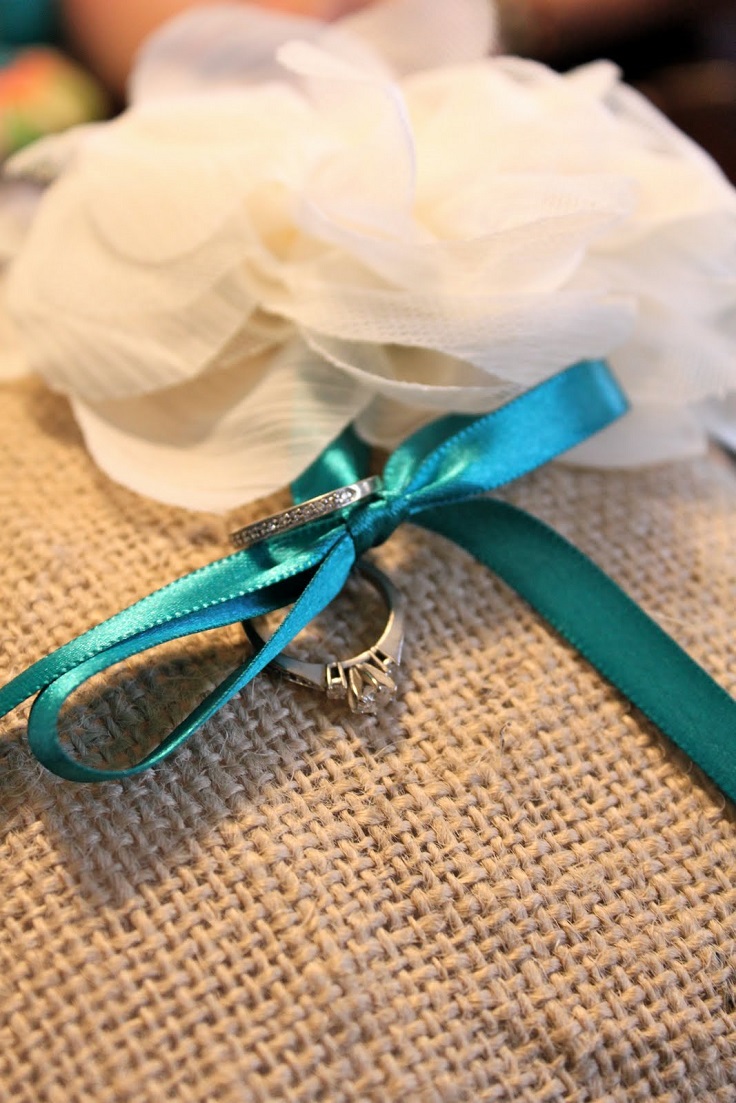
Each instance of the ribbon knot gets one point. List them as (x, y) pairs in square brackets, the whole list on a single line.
[(373, 524), (431, 479)]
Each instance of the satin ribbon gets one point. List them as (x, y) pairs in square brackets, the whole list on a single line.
[(434, 479)]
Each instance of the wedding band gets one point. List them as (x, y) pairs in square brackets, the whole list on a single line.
[(296, 516), (367, 681)]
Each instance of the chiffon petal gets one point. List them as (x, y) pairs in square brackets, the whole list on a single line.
[(719, 418), (214, 47), (227, 438), (234, 44), (648, 434), (13, 358), (413, 35), (18, 205)]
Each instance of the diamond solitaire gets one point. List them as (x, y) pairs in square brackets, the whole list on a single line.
[(366, 681)]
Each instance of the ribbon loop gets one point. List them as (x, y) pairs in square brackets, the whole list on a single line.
[(43, 733)]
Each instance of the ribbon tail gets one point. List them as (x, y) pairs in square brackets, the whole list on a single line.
[(595, 615)]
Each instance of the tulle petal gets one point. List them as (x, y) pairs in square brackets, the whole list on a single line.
[(523, 339), (412, 385)]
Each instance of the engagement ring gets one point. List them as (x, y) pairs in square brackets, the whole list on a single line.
[(366, 681)]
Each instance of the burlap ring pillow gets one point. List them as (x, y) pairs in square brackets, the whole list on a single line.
[(507, 886)]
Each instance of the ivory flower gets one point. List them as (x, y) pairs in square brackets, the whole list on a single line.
[(296, 225), (18, 202)]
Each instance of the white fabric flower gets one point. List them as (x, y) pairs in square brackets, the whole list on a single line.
[(296, 225), (18, 203)]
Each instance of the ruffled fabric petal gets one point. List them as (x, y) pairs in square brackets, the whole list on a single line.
[(13, 359), (719, 419), (521, 341), (213, 47), (132, 277), (232, 44), (226, 46), (366, 179), (414, 35), (235, 435), (648, 434), (18, 205)]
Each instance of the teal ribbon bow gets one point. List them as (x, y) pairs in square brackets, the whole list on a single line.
[(435, 479)]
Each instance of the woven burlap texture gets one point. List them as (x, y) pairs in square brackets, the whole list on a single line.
[(507, 887)]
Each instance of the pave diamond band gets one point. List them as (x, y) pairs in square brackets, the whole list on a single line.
[(366, 681), (301, 514)]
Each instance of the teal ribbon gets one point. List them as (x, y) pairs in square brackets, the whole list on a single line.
[(434, 479)]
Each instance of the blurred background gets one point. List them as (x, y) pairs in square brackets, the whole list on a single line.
[(66, 61), (680, 53)]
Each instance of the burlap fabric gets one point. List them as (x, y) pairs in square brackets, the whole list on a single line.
[(509, 887)]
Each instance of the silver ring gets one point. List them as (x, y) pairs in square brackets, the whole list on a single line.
[(367, 681), (296, 516)]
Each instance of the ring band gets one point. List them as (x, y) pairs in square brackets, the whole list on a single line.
[(367, 680), (296, 516)]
